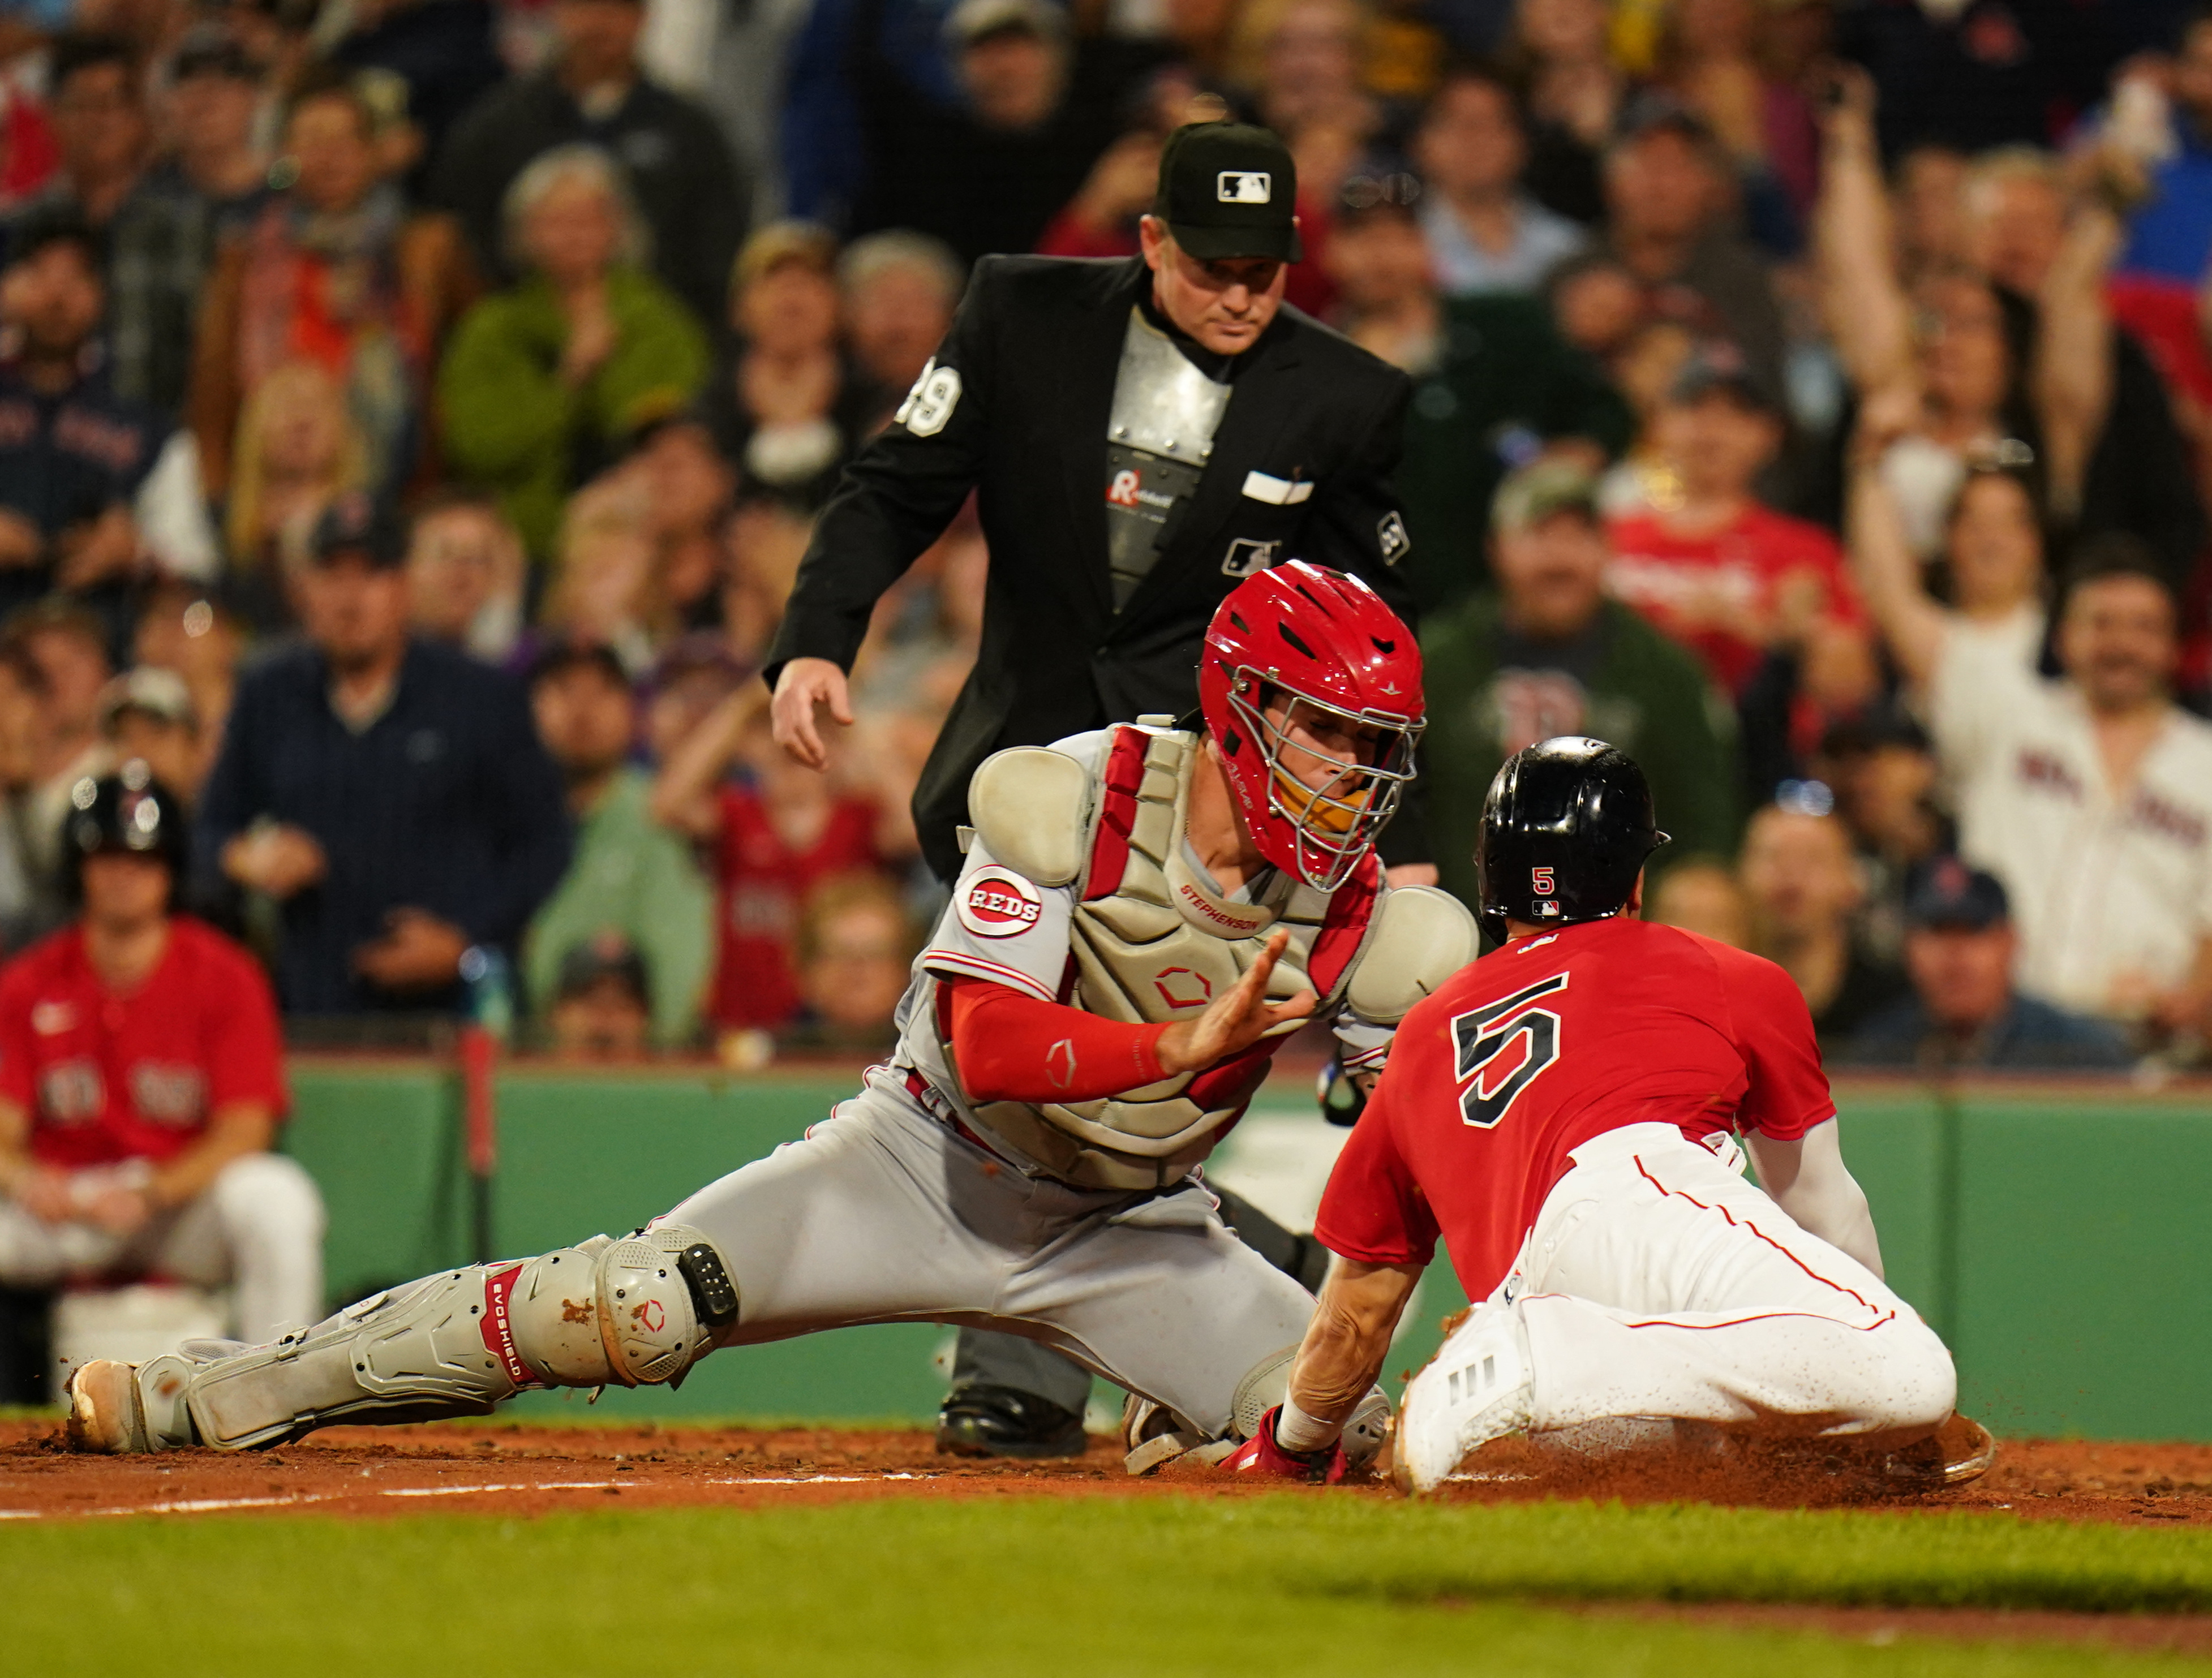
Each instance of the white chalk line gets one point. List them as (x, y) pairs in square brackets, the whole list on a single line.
[(297, 1499)]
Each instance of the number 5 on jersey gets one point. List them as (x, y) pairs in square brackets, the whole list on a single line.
[(1485, 1038)]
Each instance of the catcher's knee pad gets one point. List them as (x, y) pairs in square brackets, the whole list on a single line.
[(1152, 1435), (629, 1312)]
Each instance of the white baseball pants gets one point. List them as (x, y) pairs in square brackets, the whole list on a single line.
[(259, 1227), (1658, 1283)]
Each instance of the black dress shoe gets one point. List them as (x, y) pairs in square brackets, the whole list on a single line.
[(1005, 1421)]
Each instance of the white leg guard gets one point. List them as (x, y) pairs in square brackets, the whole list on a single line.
[(634, 1312)]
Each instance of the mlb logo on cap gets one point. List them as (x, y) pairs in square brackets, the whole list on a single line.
[(1228, 189)]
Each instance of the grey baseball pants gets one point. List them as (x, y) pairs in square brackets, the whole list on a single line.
[(884, 1214)]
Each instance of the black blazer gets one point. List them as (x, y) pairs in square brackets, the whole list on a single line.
[(1032, 356)]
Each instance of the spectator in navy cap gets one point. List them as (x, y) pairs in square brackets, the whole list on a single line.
[(213, 103), (603, 1009), (90, 480), (1668, 185), (1964, 1013), (156, 241), (389, 793)]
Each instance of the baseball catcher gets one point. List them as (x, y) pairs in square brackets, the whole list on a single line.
[(1564, 1114), (1144, 913)]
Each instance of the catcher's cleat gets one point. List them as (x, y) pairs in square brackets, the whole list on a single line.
[(1959, 1451), (984, 1420), (118, 1409), (105, 1416)]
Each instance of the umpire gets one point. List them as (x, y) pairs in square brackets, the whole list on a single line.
[(1142, 433)]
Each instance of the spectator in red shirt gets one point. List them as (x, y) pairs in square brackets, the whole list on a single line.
[(141, 1086), (1724, 575), (774, 841)]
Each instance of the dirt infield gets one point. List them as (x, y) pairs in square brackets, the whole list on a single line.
[(510, 1469)]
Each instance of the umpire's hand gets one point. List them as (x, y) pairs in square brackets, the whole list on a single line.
[(802, 687)]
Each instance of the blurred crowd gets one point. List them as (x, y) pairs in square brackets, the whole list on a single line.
[(413, 413)]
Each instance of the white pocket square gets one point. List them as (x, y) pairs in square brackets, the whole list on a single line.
[(1277, 491)]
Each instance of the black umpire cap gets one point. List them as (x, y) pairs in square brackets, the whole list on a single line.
[(1229, 190)]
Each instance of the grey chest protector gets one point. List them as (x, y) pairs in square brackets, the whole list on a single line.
[(1153, 941)]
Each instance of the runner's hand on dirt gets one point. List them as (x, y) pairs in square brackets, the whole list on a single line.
[(803, 685), (1261, 1458), (1238, 1018)]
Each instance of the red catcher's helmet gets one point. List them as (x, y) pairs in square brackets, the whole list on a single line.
[(1327, 642)]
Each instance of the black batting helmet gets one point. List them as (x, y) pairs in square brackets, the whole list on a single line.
[(128, 811), (1565, 830)]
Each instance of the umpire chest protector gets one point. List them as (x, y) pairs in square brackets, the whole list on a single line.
[(1159, 438), (1153, 941)]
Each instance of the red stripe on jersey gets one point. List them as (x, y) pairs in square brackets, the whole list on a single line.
[(976, 966)]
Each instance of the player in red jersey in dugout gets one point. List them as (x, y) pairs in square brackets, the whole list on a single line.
[(142, 1083)]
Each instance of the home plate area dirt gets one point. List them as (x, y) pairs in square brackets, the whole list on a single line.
[(497, 1468)]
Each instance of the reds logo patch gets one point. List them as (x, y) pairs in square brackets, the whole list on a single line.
[(997, 903)]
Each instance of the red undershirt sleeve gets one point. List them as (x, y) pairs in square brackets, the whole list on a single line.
[(1012, 1047)]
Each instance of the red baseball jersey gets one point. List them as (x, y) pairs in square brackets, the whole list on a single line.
[(1531, 1051), (764, 883), (108, 1076), (1708, 591)]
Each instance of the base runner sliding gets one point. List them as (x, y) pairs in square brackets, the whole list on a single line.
[(1144, 914), (1564, 1114)]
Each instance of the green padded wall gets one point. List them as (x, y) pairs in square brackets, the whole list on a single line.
[(384, 1142), (583, 1153), (2056, 1236), (2084, 1251)]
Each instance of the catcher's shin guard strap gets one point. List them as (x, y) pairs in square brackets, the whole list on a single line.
[(632, 1312)]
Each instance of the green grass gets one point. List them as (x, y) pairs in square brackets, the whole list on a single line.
[(1049, 1588)]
